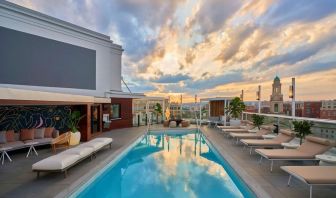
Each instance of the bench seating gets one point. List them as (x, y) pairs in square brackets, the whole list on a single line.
[(68, 158)]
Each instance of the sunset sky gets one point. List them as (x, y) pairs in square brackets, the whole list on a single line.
[(214, 47)]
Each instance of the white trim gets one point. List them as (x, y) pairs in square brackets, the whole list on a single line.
[(295, 118)]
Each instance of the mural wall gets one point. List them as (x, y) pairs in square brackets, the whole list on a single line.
[(19, 117)]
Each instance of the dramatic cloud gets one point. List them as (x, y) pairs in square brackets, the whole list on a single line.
[(214, 47)]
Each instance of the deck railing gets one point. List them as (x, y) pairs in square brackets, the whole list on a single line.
[(322, 127)]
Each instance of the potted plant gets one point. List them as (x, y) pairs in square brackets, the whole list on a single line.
[(158, 110), (73, 121), (302, 129), (258, 120), (235, 109)]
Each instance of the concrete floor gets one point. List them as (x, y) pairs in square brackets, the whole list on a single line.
[(17, 179)]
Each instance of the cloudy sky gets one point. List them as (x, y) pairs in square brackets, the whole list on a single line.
[(214, 47)]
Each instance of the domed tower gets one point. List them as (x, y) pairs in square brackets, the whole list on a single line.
[(276, 101)]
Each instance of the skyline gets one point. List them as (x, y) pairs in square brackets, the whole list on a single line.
[(214, 48)]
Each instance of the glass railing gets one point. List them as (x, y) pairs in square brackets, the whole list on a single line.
[(321, 127)]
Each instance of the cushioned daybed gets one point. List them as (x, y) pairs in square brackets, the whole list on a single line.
[(68, 158)]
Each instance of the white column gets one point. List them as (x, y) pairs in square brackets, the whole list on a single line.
[(293, 97), (200, 113), (259, 96), (225, 112)]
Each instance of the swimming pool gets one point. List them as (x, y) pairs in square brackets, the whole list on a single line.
[(167, 164)]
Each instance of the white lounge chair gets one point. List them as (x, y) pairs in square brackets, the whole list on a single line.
[(306, 152), (68, 158)]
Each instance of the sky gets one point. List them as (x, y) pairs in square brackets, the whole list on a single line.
[(214, 48)]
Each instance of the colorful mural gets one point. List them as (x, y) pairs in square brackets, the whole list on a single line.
[(19, 117)]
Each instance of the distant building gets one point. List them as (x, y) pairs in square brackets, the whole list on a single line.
[(276, 101), (287, 108), (328, 109), (251, 108), (265, 107), (311, 109)]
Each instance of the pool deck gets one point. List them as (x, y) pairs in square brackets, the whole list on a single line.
[(17, 179), (264, 182)]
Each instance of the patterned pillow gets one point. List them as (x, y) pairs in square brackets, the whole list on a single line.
[(48, 132), (10, 136), (27, 134), (3, 139), (39, 133)]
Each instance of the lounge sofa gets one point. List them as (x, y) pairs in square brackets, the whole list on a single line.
[(70, 157), (15, 141)]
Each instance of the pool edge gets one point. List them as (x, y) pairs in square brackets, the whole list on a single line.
[(83, 180), (240, 172)]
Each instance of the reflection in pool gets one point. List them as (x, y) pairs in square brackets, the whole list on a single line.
[(168, 165)]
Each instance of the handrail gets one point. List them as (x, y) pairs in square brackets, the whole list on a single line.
[(294, 118)]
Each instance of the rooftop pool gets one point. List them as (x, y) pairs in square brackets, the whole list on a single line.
[(167, 164)]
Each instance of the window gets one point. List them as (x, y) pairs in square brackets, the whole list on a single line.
[(115, 111)]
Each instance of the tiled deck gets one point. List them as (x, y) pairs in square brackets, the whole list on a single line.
[(17, 179)]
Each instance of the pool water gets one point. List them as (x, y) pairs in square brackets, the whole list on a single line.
[(168, 164)]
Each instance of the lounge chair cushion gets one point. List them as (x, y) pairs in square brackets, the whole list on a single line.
[(318, 140), (287, 132), (313, 148), (284, 154), (246, 135), (56, 162), (83, 151), (94, 145), (261, 142), (313, 174), (39, 133), (105, 140)]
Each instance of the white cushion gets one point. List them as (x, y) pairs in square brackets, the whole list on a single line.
[(105, 140), (56, 162), (83, 152), (95, 145)]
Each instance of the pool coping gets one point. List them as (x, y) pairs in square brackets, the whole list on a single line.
[(248, 180), (100, 166)]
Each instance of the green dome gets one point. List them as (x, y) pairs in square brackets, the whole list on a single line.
[(276, 78)]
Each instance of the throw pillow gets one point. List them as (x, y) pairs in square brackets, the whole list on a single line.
[(48, 132), (27, 134), (10, 136), (39, 133), (3, 139)]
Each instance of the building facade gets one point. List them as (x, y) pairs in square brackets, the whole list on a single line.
[(311, 109), (276, 99), (328, 109), (298, 108), (50, 68)]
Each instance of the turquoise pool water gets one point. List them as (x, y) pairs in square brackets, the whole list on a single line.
[(168, 164)]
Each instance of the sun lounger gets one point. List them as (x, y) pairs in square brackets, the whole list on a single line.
[(312, 175), (258, 135), (242, 126), (306, 152), (284, 136), (68, 158)]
